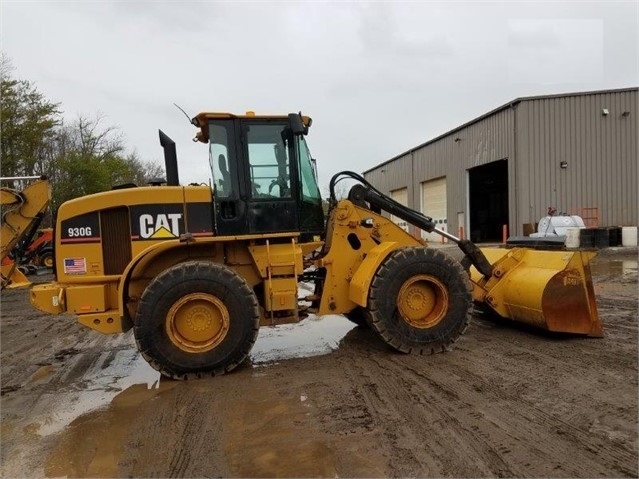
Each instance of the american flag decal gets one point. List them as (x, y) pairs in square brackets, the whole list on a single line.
[(75, 265)]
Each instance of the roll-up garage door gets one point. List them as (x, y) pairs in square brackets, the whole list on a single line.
[(433, 196), (401, 196)]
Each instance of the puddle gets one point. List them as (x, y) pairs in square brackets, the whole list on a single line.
[(613, 268), (313, 336), (113, 372), (270, 434)]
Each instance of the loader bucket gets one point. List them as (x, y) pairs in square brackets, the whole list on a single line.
[(551, 290), (12, 277)]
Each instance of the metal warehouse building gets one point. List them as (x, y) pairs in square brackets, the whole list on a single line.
[(576, 152)]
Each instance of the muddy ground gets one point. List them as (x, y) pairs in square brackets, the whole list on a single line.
[(326, 399)]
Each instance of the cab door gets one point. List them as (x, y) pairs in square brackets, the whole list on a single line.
[(229, 193), (271, 179)]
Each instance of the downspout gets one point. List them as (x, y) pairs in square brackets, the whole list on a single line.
[(514, 173), (416, 231)]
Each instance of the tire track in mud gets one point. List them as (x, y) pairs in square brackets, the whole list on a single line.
[(156, 437), (492, 431), (416, 450), (509, 412), (188, 421)]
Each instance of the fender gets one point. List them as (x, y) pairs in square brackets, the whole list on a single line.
[(358, 290), (144, 259)]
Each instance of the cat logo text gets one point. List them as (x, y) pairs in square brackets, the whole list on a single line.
[(160, 226)]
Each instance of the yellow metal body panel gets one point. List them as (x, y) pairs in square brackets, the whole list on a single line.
[(87, 299), (48, 298), (547, 289), (92, 252), (108, 322), (281, 294), (8, 197), (349, 240), (358, 291), (277, 259)]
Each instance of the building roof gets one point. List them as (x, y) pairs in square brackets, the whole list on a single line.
[(510, 104)]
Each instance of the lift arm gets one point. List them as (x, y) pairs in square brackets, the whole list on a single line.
[(377, 201)]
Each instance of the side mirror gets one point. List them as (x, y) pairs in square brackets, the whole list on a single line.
[(297, 124)]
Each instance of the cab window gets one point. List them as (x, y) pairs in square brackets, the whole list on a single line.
[(269, 160), (221, 160)]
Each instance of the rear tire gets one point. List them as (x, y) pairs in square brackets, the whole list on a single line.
[(420, 300), (196, 319)]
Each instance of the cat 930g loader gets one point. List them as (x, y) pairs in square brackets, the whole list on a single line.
[(196, 270)]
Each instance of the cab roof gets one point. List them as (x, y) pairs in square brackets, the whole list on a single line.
[(201, 120)]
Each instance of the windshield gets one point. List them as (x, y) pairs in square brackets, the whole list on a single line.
[(310, 190)]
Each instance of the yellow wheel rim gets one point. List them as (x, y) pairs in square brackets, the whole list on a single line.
[(197, 322), (48, 262), (422, 301)]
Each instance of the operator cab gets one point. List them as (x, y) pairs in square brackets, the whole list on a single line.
[(263, 175)]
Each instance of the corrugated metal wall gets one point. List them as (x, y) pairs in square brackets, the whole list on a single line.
[(478, 144), (600, 152), (450, 157), (535, 135), (393, 176)]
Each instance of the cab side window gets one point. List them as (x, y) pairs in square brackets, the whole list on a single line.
[(222, 161)]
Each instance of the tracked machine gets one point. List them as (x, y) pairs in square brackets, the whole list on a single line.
[(196, 270)]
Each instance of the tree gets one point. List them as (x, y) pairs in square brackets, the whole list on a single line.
[(80, 158), (28, 123), (87, 158)]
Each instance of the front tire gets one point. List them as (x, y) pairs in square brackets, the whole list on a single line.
[(359, 316), (420, 300), (196, 319)]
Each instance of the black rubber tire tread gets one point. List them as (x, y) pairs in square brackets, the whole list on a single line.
[(185, 278), (359, 316), (396, 269), (466, 263)]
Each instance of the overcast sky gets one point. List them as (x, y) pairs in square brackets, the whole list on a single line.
[(377, 78)]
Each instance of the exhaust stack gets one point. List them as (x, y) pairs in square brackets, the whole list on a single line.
[(170, 159)]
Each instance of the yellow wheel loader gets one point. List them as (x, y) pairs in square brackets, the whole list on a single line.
[(22, 212), (196, 270)]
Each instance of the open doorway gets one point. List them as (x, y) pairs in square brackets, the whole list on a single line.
[(488, 201)]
